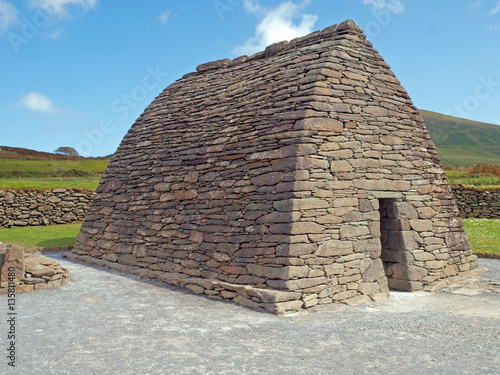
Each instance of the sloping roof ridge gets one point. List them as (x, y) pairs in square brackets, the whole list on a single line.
[(273, 49)]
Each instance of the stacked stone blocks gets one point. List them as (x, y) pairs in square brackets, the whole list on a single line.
[(477, 202), (299, 176), (57, 206)]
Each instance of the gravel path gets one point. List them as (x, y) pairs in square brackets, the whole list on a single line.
[(106, 322)]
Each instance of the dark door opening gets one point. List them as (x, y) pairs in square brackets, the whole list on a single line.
[(392, 237)]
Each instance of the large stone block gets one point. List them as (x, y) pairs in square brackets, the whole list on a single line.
[(298, 284), (269, 295), (423, 256), (352, 231), (368, 288), (454, 238), (319, 124), (13, 266), (295, 249), (341, 166), (382, 184), (300, 204), (334, 269), (374, 270), (297, 228), (421, 225), (407, 272), (280, 308), (284, 273), (334, 248), (267, 179), (426, 212)]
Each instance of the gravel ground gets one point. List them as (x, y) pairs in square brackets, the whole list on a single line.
[(106, 322)]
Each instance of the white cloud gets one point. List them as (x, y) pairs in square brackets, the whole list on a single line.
[(475, 5), (38, 102), (276, 24), (393, 6), (8, 15), (59, 8), (496, 9), (164, 17)]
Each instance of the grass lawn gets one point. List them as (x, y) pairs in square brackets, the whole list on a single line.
[(465, 178), (41, 236), (89, 183), (484, 235), (19, 168), (462, 155), (41, 175)]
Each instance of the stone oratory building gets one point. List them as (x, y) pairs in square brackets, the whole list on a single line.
[(298, 176)]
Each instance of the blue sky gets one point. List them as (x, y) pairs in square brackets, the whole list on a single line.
[(78, 73)]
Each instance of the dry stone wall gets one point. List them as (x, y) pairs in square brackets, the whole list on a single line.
[(299, 176), (58, 206), (477, 203), (21, 208)]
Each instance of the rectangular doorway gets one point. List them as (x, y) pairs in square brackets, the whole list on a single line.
[(392, 237)]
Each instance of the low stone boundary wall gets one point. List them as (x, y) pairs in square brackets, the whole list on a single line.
[(58, 206), (473, 202), (63, 206)]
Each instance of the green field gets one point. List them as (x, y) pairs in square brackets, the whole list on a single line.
[(41, 236), (19, 168), (484, 235), (42, 184), (26, 174), (463, 142), (466, 178), (460, 155)]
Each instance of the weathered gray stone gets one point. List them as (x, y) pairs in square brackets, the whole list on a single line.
[(334, 248), (300, 204), (285, 273), (295, 249), (319, 124), (269, 295), (283, 307), (421, 225), (351, 231), (13, 266), (368, 288), (374, 271), (382, 184)]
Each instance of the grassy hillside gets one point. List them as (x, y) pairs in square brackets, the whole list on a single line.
[(463, 142), (19, 168), (29, 169)]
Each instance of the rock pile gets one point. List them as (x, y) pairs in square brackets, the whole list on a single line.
[(58, 206), (28, 270), (479, 203)]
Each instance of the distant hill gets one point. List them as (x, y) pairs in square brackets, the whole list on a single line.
[(27, 154), (463, 142)]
